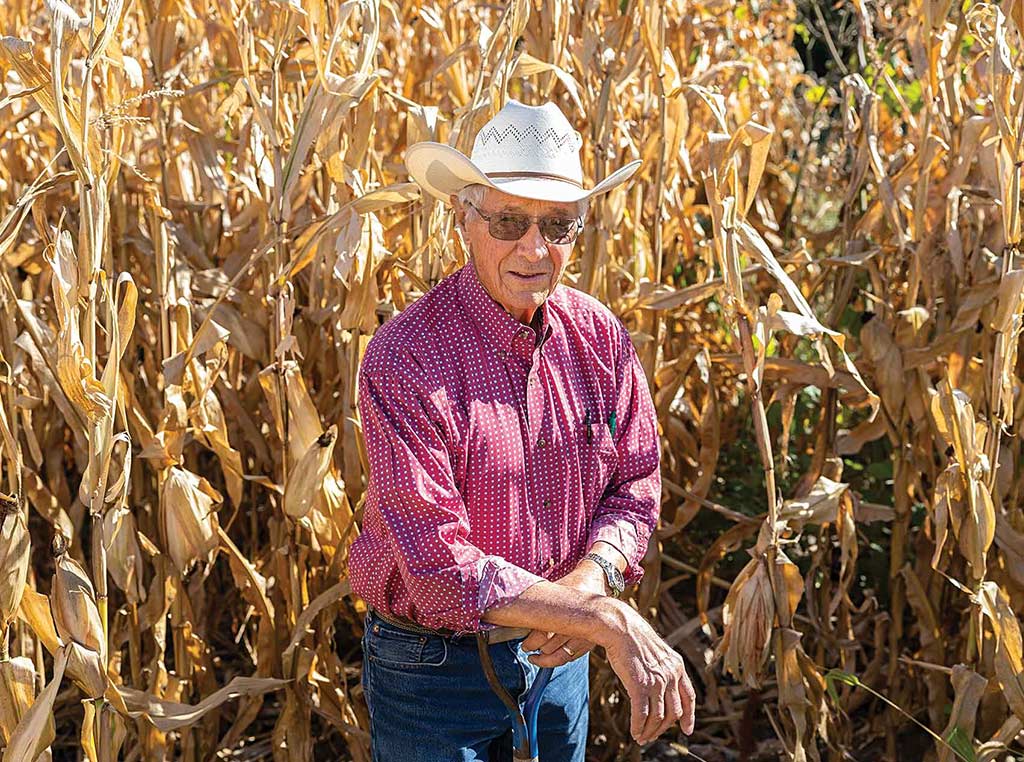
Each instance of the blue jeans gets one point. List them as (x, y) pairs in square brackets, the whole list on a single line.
[(429, 700)]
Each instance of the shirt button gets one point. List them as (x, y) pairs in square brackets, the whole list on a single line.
[(541, 442), (547, 503), (551, 562)]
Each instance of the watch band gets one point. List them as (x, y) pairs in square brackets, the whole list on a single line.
[(611, 573)]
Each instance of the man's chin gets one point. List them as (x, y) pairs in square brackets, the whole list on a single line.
[(529, 296), (534, 298), (525, 303)]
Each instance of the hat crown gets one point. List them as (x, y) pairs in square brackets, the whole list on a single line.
[(531, 140)]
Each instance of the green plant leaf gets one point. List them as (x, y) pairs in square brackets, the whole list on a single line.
[(842, 677), (961, 744), (837, 675)]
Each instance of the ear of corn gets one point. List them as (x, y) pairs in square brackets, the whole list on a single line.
[(14, 560), (190, 519), (750, 602), (73, 602), (307, 480)]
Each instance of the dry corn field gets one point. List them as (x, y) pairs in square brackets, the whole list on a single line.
[(204, 217)]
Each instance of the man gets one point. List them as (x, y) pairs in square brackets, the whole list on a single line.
[(514, 472)]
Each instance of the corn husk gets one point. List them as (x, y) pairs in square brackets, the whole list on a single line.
[(307, 480), (17, 692), (124, 555), (73, 603), (331, 514), (75, 371), (963, 494), (189, 505), (35, 731), (1009, 652), (749, 616), (15, 547), (87, 669)]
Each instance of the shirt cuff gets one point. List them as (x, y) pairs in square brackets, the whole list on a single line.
[(625, 536), (501, 582)]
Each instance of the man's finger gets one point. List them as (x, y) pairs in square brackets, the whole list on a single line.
[(557, 659), (554, 644), (564, 654), (673, 708), (638, 717), (536, 640), (578, 647), (689, 701), (655, 717), (672, 713)]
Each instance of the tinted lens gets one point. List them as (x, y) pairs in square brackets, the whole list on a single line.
[(509, 227), (558, 229)]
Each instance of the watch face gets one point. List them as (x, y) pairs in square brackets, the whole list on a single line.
[(617, 578)]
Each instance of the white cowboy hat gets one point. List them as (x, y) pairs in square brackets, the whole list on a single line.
[(527, 151)]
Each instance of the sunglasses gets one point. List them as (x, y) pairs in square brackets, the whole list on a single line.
[(508, 226)]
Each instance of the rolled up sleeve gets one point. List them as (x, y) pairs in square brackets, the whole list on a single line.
[(412, 488), (628, 511)]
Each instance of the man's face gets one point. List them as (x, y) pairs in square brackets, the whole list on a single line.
[(521, 274)]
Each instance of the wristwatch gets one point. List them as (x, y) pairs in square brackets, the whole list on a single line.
[(611, 572)]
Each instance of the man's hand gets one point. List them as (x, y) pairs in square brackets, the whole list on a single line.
[(557, 650), (651, 671), (654, 676)]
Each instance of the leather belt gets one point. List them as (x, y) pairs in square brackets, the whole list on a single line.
[(496, 635)]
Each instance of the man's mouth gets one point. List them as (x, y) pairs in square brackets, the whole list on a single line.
[(528, 276)]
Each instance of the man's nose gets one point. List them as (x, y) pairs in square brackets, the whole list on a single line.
[(532, 244)]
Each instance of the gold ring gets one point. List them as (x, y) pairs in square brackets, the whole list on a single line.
[(568, 650)]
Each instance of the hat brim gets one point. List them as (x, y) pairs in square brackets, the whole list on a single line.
[(443, 171)]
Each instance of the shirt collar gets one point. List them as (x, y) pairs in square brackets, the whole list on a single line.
[(494, 321)]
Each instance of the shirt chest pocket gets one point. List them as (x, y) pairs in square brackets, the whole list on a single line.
[(598, 459)]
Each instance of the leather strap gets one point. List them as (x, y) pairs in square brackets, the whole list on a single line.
[(496, 635)]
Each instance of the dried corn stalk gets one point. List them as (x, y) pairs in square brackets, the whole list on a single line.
[(244, 164)]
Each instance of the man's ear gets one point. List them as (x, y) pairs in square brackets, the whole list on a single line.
[(460, 212)]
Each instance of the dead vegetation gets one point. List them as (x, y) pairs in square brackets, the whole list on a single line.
[(204, 217)]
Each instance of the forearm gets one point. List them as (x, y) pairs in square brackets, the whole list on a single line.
[(551, 607)]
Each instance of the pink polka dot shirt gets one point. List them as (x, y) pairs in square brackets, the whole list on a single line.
[(498, 454)]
